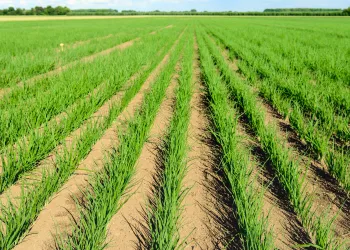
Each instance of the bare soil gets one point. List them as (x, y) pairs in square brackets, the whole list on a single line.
[(197, 226), (57, 214), (283, 221)]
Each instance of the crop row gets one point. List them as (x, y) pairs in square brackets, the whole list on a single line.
[(37, 143), (309, 46), (16, 220), (253, 226), (325, 106), (166, 205), (41, 51), (316, 133), (100, 204), (288, 171)]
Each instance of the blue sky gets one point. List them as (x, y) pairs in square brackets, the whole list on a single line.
[(214, 5)]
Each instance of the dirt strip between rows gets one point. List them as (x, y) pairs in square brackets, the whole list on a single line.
[(77, 44), (284, 223), (86, 59), (55, 214), (196, 223), (56, 71)]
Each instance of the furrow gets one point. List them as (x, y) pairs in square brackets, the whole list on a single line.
[(250, 227), (99, 204), (328, 197), (199, 228), (14, 191)]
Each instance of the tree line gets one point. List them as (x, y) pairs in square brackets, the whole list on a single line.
[(59, 10), (194, 12), (38, 10), (302, 10)]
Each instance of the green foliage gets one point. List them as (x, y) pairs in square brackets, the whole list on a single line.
[(248, 202), (288, 171), (38, 10), (346, 11), (165, 214), (302, 10), (299, 66), (59, 10), (18, 218)]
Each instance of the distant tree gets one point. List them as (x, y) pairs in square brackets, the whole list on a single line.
[(59, 10), (50, 11), (346, 11), (11, 11), (301, 10), (38, 10), (19, 11), (193, 10), (29, 12)]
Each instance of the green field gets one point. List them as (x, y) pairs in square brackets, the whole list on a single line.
[(175, 133)]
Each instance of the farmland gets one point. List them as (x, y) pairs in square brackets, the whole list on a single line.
[(175, 133)]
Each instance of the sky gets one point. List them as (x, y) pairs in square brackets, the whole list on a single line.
[(167, 5)]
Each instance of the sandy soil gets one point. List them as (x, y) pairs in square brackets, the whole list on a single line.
[(197, 226), (329, 197)]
